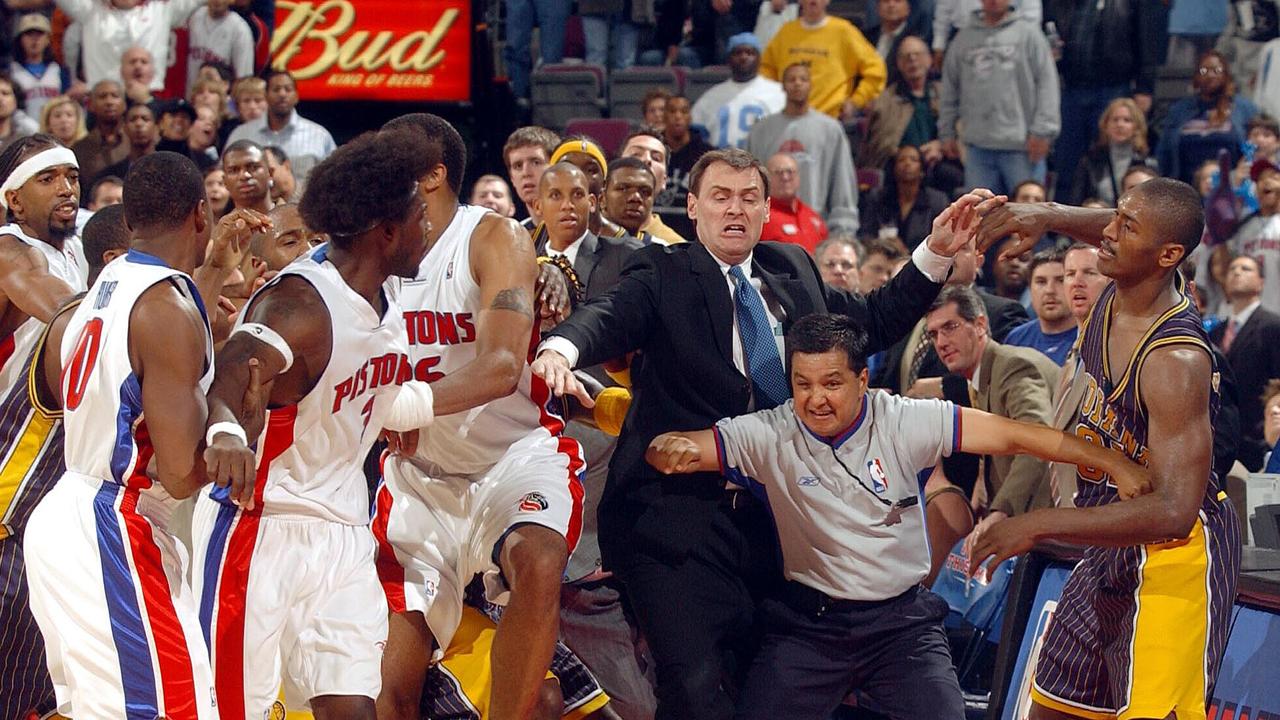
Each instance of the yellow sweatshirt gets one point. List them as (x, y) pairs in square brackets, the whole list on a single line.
[(838, 56)]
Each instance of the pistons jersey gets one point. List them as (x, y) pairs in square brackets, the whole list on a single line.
[(311, 454), (68, 265), (106, 434), (442, 308)]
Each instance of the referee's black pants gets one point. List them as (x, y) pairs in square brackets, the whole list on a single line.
[(697, 612), (815, 651)]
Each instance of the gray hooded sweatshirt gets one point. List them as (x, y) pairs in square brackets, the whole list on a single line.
[(1002, 84)]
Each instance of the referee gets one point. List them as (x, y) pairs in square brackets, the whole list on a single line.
[(837, 467)]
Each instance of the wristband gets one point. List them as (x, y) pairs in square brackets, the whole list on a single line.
[(230, 428), (271, 338)]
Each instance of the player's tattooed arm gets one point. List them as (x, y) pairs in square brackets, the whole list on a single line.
[(504, 266), (515, 299)]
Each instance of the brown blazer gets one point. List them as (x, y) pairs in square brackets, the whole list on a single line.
[(1017, 383)]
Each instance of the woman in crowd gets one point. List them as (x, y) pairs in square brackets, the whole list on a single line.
[(63, 118), (1122, 143), (14, 123), (215, 186), (1212, 119), (904, 207)]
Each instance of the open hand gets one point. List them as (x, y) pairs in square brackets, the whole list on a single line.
[(673, 453), (552, 293), (1003, 540), (1028, 222), (230, 238), (953, 228), (554, 368)]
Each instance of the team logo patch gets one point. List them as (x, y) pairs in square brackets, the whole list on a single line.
[(448, 271), (807, 481), (879, 480), (276, 712), (533, 502)]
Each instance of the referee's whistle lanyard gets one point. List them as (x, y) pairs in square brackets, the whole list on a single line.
[(893, 515)]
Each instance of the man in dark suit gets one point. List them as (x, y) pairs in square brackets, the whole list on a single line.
[(1251, 341), (708, 320), (592, 621)]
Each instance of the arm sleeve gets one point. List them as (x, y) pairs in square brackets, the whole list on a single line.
[(949, 102), (842, 201), (745, 448), (242, 50), (78, 10), (872, 72), (1047, 120), (613, 324), (1026, 399), (942, 23), (930, 429)]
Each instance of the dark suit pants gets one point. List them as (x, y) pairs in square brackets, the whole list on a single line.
[(697, 611), (894, 651)]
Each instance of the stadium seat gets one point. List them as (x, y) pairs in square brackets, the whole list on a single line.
[(563, 92), (699, 81), (628, 87), (608, 133), (868, 179)]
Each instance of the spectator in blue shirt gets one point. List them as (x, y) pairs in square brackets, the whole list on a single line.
[(1053, 330)]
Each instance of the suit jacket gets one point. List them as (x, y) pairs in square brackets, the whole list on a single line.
[(1017, 383), (673, 304), (598, 264), (1003, 315), (1254, 359)]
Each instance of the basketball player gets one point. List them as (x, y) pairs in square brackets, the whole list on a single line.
[(1142, 622), (492, 487), (285, 573), (41, 260), (33, 434), (107, 579)]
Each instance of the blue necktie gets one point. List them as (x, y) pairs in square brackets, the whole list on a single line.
[(1273, 463), (768, 378)]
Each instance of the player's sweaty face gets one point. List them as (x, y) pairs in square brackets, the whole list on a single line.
[(731, 209), (828, 393)]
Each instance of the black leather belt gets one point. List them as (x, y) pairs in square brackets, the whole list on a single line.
[(807, 600)]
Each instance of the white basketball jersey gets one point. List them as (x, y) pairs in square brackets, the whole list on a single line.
[(311, 454), (442, 308), (68, 265), (106, 435)]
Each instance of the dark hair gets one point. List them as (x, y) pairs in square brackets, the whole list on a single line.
[(734, 158), (820, 333), (626, 163), (130, 105), (798, 63), (1176, 210), (277, 153), (370, 180), (968, 304), (104, 180), (19, 96), (242, 145), (271, 72), (530, 136), (18, 151), (891, 249), (1017, 188), (888, 195), (1263, 121), (653, 94), (1262, 269), (450, 149), (1139, 169), (224, 70), (106, 230), (161, 190), (1044, 257), (648, 131)]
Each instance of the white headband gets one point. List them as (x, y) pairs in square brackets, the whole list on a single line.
[(33, 166)]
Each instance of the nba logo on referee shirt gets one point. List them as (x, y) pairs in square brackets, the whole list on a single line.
[(879, 481)]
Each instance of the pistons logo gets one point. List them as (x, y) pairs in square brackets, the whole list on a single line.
[(533, 502)]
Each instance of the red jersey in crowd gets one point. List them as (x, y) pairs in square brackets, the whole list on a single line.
[(794, 222)]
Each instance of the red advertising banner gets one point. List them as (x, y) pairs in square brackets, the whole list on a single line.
[(400, 50)]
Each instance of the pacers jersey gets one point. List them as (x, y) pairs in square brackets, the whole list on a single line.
[(106, 435), (442, 308), (311, 454), (68, 265), (31, 443), (1112, 412)]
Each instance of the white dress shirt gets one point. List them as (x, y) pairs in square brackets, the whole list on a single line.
[(570, 252)]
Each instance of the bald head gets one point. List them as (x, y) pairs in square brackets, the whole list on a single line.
[(137, 65), (784, 176), (561, 170)]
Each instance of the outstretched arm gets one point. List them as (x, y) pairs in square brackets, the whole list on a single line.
[(1175, 384), (684, 452), (504, 265), (26, 281), (1030, 221), (987, 434)]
